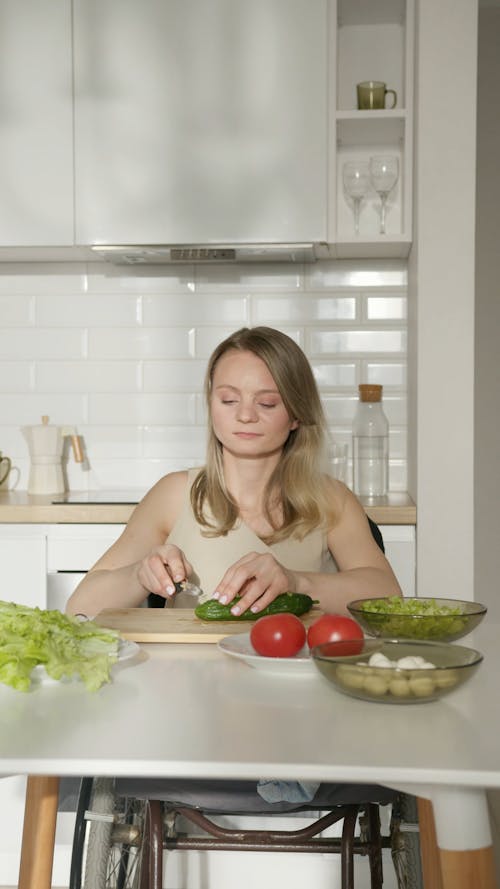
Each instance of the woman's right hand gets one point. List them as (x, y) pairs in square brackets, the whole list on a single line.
[(162, 568)]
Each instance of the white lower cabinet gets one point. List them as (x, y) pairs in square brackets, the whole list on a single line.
[(23, 564), (71, 551), (400, 549)]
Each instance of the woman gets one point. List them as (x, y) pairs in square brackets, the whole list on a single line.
[(261, 518)]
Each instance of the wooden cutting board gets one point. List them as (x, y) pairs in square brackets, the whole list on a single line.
[(175, 624)]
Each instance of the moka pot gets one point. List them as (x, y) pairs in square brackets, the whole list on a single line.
[(45, 443)]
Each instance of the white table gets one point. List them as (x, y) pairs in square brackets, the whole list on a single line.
[(191, 711)]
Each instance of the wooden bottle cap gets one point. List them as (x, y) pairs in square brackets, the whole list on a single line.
[(370, 392)]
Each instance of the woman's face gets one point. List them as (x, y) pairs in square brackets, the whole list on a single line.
[(248, 414)]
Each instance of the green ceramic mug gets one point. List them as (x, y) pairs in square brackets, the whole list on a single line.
[(372, 95), (5, 465)]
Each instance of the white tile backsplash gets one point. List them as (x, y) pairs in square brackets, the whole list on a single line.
[(90, 310), (249, 277), (88, 376), (334, 375), (303, 309), (141, 342), (338, 342), (121, 353), (105, 278), (385, 308), (174, 376), (16, 376), (114, 441), (145, 409), (383, 273), (18, 312), (175, 310), (43, 277), (179, 442), (389, 374), (28, 343)]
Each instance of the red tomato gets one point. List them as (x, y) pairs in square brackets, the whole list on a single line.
[(278, 635), (336, 628)]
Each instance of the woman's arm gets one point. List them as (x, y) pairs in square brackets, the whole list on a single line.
[(363, 568), (140, 561), (364, 571)]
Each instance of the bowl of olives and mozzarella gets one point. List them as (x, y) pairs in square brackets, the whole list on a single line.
[(397, 671)]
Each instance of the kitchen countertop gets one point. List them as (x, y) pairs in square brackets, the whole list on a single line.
[(21, 507)]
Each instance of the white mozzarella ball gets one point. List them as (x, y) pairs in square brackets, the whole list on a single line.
[(377, 659)]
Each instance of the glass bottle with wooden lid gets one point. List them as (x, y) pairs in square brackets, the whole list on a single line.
[(370, 438)]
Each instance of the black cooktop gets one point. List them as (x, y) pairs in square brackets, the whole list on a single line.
[(118, 495)]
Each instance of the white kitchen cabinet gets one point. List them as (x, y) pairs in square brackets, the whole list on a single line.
[(78, 547), (38, 562), (200, 121), (375, 41), (36, 148), (221, 121), (23, 564), (400, 549), (71, 551), (231, 122)]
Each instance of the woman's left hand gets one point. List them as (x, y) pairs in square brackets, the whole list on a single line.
[(258, 578)]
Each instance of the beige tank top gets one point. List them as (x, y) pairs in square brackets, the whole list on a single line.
[(212, 556)]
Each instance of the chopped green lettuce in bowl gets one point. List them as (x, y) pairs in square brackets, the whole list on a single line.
[(396, 617), (65, 646)]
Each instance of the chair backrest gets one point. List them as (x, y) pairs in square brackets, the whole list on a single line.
[(374, 528)]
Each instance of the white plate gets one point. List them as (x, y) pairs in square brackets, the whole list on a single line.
[(126, 650), (239, 647)]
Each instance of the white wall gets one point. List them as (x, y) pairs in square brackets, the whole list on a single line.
[(441, 297), (487, 382), (120, 353)]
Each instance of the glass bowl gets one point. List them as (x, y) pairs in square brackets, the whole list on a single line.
[(362, 675), (416, 618)]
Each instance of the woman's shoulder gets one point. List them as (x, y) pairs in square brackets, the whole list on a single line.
[(337, 491), (345, 505), (164, 499), (171, 483)]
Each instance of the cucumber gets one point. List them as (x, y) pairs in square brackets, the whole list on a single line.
[(285, 603)]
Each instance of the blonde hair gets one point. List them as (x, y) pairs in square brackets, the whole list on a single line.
[(305, 499)]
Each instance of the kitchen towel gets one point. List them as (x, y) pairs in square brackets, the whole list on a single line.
[(287, 791)]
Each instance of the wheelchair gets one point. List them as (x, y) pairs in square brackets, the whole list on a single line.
[(124, 826)]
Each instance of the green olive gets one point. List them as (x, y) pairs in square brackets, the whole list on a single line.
[(421, 686), (399, 687)]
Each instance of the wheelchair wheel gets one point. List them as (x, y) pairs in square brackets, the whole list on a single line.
[(405, 843), (114, 831)]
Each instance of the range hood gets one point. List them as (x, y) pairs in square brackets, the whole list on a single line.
[(173, 253)]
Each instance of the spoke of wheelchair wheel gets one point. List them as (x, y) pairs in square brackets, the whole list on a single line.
[(122, 867), (124, 858)]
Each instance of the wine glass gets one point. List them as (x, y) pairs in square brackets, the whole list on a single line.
[(356, 179), (384, 173)]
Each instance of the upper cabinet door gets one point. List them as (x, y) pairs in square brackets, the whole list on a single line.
[(36, 123), (200, 121)]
